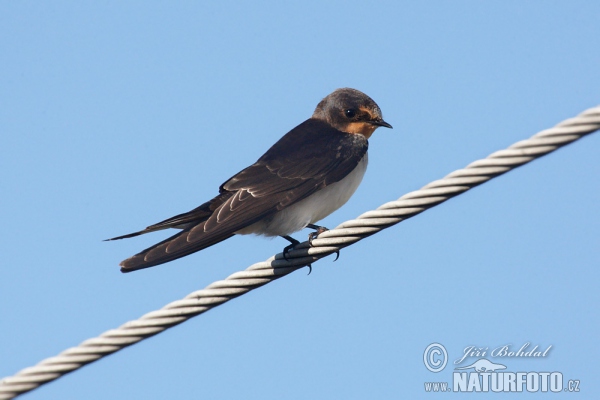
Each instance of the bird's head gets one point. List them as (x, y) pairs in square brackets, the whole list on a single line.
[(350, 111)]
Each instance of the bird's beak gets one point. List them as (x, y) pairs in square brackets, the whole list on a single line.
[(380, 122)]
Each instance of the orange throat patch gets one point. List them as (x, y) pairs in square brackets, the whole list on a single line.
[(360, 128)]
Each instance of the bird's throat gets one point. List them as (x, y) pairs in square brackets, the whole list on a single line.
[(360, 128)]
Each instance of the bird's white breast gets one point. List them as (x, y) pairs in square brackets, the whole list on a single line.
[(312, 209)]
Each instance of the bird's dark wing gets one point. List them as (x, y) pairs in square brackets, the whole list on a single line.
[(308, 158)]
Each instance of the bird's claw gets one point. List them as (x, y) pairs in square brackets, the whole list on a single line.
[(313, 235), (287, 249)]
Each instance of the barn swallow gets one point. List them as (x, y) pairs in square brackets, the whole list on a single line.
[(308, 174)]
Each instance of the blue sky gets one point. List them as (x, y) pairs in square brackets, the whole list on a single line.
[(114, 116)]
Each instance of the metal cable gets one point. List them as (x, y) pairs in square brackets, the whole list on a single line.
[(327, 243)]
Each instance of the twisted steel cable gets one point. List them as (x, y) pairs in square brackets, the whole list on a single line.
[(327, 243)]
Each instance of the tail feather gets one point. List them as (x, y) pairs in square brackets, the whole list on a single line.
[(134, 234), (191, 239), (182, 221), (170, 249)]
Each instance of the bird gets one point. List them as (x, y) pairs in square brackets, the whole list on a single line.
[(308, 174)]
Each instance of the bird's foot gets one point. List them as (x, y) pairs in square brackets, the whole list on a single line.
[(289, 247), (286, 249), (313, 235)]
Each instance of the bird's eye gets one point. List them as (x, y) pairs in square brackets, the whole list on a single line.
[(350, 113)]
